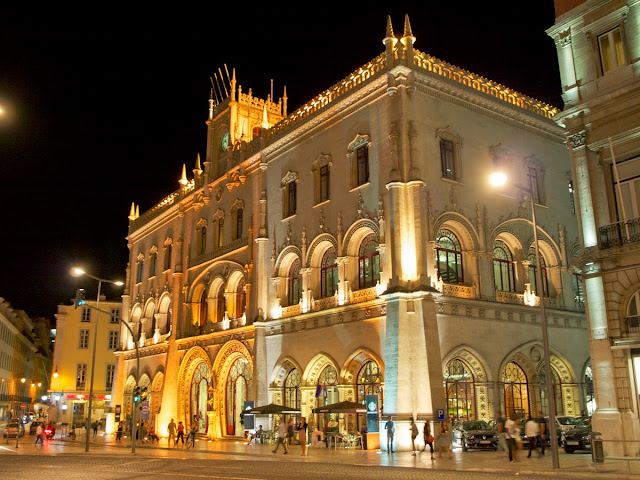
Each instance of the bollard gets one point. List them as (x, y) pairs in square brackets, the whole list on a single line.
[(597, 450)]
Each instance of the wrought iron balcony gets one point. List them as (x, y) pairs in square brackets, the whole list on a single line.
[(632, 324), (618, 234)]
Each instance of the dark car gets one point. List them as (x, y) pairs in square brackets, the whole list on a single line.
[(34, 426), (13, 428), (579, 438), (475, 434)]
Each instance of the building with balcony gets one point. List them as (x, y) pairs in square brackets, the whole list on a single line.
[(598, 45), (72, 357), (354, 247)]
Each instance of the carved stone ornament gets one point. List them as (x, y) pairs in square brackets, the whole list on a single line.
[(577, 140), (288, 178)]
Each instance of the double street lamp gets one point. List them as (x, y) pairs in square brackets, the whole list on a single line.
[(499, 179), (80, 272)]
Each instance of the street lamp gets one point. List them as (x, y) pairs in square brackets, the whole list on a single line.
[(499, 179), (78, 272)]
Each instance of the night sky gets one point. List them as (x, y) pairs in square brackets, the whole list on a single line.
[(104, 107)]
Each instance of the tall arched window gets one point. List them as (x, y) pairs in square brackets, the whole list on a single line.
[(294, 290), (632, 319), (460, 390), (292, 396), (533, 276), (241, 298), (449, 255), (328, 273), (557, 391), (503, 269), (328, 387), (222, 304), (204, 308), (238, 385), (516, 391), (199, 396), (368, 262), (368, 382)]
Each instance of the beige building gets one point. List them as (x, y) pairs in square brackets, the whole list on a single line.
[(72, 356), (598, 46), (354, 247)]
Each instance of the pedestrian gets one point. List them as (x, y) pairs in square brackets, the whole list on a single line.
[(363, 435), (428, 439), (444, 439), (290, 434), (172, 433), (302, 435), (180, 433), (39, 434), (502, 438), (532, 432), (390, 431), (544, 432), (152, 435), (119, 432), (511, 431), (282, 433), (95, 429), (414, 435)]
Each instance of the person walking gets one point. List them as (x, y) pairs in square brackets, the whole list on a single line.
[(171, 428), (532, 432), (302, 435), (414, 435), (290, 433), (444, 439), (544, 432), (39, 434), (511, 432), (95, 429), (180, 433), (502, 438), (428, 439), (390, 431), (119, 432), (282, 433)]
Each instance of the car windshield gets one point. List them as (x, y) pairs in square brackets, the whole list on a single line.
[(569, 420), (586, 423), (476, 425)]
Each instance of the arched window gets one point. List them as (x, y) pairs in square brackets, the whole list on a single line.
[(292, 396), (238, 386), (222, 304), (368, 262), (328, 273), (460, 390), (503, 269), (204, 308), (449, 255), (328, 387), (368, 383), (589, 395), (557, 391), (199, 396), (533, 276), (202, 242), (294, 291), (241, 298), (516, 391), (632, 319)]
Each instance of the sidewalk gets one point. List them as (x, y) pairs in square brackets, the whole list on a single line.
[(575, 465)]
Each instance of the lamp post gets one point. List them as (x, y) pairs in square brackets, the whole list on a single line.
[(78, 272), (497, 180)]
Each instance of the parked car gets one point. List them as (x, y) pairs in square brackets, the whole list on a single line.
[(34, 426), (14, 428), (579, 438), (475, 434)]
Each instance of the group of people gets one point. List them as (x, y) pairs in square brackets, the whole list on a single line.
[(442, 441), (286, 433), (510, 438), (40, 432)]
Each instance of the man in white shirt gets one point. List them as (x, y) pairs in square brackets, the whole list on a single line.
[(532, 432), (511, 432)]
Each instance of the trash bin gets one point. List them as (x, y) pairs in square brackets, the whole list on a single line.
[(597, 450)]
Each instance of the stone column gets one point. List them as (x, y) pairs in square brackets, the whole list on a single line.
[(259, 383)]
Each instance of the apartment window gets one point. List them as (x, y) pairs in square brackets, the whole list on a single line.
[(167, 256), (81, 376), (324, 183), (153, 260), (292, 197), (140, 272), (220, 232), (202, 240), (115, 315), (289, 185), (239, 220), (447, 160), (84, 338), (321, 171), (611, 50), (294, 291), (329, 273), (111, 370), (114, 336), (86, 314), (359, 156)]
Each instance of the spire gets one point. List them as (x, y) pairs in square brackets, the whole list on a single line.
[(233, 85), (389, 33), (137, 211), (198, 170), (265, 119), (285, 98), (183, 180), (408, 35), (389, 41), (132, 213)]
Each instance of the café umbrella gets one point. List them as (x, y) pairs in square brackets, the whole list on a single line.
[(341, 407), (272, 409)]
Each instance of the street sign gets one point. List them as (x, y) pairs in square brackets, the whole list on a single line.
[(440, 414), (23, 406), (144, 407)]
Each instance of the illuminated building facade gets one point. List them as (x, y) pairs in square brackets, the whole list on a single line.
[(354, 247), (598, 45)]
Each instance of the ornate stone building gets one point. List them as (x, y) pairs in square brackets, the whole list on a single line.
[(598, 46), (355, 247)]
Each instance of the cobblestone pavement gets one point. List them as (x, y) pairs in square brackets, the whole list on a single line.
[(233, 458)]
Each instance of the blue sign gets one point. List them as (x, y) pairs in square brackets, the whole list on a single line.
[(440, 414), (144, 408)]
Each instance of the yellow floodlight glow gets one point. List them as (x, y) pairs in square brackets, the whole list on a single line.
[(498, 179), (77, 271)]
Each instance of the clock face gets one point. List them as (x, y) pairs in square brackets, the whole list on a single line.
[(372, 406), (225, 141)]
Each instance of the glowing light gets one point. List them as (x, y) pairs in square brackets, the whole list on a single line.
[(39, 384), (529, 296), (76, 271), (44, 398), (498, 179), (22, 380)]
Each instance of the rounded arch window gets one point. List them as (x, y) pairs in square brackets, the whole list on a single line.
[(221, 306), (327, 394), (204, 308), (449, 257), (503, 267), (516, 391), (328, 273), (368, 262), (292, 397), (241, 298), (557, 391), (294, 283), (199, 396), (238, 385), (632, 319), (460, 390), (533, 276)]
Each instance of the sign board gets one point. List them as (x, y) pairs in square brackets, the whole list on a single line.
[(373, 414), (249, 418), (144, 409), (118, 412), (23, 406), (440, 414), (599, 333)]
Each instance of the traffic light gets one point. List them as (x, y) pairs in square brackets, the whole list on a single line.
[(144, 394), (136, 394), (79, 298)]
